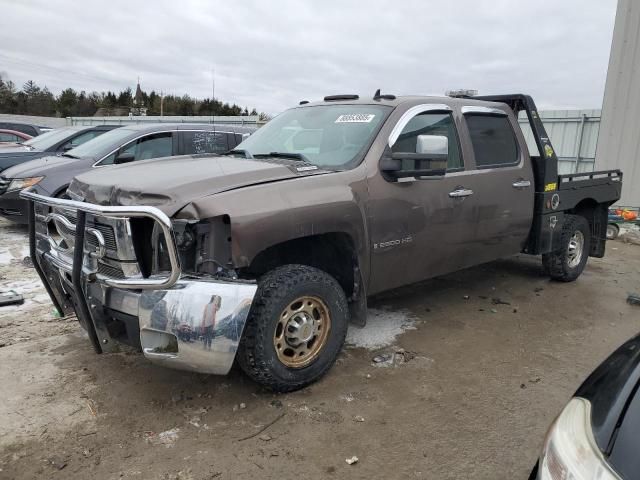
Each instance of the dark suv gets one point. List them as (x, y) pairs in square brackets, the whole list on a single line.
[(32, 130), (54, 142), (52, 174)]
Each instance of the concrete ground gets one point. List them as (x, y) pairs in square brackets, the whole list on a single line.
[(480, 363)]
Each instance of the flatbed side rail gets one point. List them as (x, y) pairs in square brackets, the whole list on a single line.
[(122, 212), (585, 179)]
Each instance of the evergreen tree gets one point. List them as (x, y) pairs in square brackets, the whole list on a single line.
[(34, 100)]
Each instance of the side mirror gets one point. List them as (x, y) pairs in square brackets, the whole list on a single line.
[(124, 158), (430, 159), (432, 145), (68, 147)]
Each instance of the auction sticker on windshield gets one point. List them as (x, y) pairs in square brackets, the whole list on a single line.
[(356, 118)]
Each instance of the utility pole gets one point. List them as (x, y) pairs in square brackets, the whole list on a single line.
[(161, 103), (213, 95)]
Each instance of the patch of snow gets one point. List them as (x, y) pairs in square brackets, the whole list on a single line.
[(167, 438), (11, 241), (5, 257), (383, 326)]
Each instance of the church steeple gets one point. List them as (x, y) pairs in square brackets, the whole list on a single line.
[(137, 99), (139, 107)]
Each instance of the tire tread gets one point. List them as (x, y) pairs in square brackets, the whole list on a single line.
[(273, 288)]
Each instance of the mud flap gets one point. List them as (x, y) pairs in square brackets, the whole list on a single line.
[(358, 303)]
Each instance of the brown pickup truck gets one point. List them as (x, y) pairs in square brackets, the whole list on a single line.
[(263, 255)]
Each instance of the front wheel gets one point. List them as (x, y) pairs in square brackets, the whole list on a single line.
[(612, 231), (568, 261), (296, 328)]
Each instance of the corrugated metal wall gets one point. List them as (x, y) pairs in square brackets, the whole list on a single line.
[(619, 144), (573, 134)]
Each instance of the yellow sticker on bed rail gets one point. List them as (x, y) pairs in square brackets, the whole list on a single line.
[(550, 187), (548, 151)]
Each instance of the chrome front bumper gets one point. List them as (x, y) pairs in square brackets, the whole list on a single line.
[(85, 257)]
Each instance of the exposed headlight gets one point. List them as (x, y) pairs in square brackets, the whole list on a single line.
[(570, 451), (22, 183)]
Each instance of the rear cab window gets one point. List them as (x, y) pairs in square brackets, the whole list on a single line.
[(493, 139)]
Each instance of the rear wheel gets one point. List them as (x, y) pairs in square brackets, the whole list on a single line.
[(296, 328), (567, 263), (612, 231)]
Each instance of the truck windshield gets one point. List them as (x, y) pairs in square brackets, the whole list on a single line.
[(331, 136)]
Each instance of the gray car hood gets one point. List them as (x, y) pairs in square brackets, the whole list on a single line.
[(8, 160), (172, 183), (38, 167)]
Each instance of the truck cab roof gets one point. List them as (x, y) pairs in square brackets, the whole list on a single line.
[(408, 100)]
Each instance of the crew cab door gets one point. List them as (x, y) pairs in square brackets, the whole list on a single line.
[(420, 228), (503, 181)]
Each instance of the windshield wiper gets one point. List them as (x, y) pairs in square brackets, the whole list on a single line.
[(293, 156), (246, 153), (68, 155)]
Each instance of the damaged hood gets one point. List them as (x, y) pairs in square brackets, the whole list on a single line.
[(172, 183)]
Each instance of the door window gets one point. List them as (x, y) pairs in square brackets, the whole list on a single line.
[(9, 137), (80, 139), (144, 148), (430, 123), (494, 143), (205, 142)]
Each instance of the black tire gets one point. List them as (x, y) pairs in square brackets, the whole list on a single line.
[(612, 231), (257, 354), (562, 265)]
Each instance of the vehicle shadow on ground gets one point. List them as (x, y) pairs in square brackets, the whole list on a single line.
[(487, 277)]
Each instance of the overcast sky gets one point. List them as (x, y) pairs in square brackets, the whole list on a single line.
[(272, 54)]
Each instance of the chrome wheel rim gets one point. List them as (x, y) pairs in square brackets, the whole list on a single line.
[(575, 249), (302, 331)]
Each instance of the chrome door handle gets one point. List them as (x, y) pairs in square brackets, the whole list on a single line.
[(522, 184), (460, 192)]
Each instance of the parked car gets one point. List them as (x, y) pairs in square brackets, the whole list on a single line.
[(29, 129), (596, 434), (619, 217), (52, 174), (12, 137), (283, 240), (54, 142)]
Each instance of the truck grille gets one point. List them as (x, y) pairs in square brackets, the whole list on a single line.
[(115, 263), (110, 271), (108, 234)]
